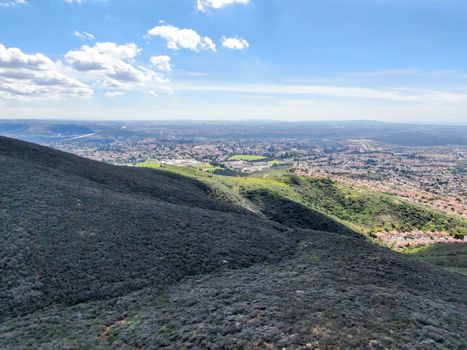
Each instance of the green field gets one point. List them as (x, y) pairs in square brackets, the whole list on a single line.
[(246, 157), (151, 165)]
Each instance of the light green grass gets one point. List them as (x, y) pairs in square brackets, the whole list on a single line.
[(414, 250), (149, 164), (246, 157), (206, 167)]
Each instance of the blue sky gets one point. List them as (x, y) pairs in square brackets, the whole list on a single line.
[(395, 60)]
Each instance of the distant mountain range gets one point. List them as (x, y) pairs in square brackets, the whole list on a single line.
[(94, 256)]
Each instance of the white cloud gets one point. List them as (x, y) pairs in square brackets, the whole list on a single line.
[(15, 58), (113, 67), (112, 94), (162, 63), (152, 93), (110, 61), (409, 96), (13, 3), (75, 1), (204, 5), (36, 77), (235, 43), (178, 38), (84, 35)]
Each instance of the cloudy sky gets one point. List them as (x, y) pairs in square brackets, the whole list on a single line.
[(395, 60)]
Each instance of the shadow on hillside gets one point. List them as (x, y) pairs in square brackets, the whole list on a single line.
[(295, 215)]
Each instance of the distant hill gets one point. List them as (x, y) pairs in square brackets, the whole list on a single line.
[(414, 135), (94, 256), (70, 129), (42, 131)]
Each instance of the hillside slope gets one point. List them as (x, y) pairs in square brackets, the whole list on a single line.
[(94, 256), (335, 292), (317, 203), (453, 257), (72, 229)]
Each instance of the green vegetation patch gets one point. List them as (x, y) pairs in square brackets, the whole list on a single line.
[(149, 164), (361, 210), (247, 157), (372, 212), (206, 167)]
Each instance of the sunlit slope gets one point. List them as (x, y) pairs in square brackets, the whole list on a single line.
[(292, 200)]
